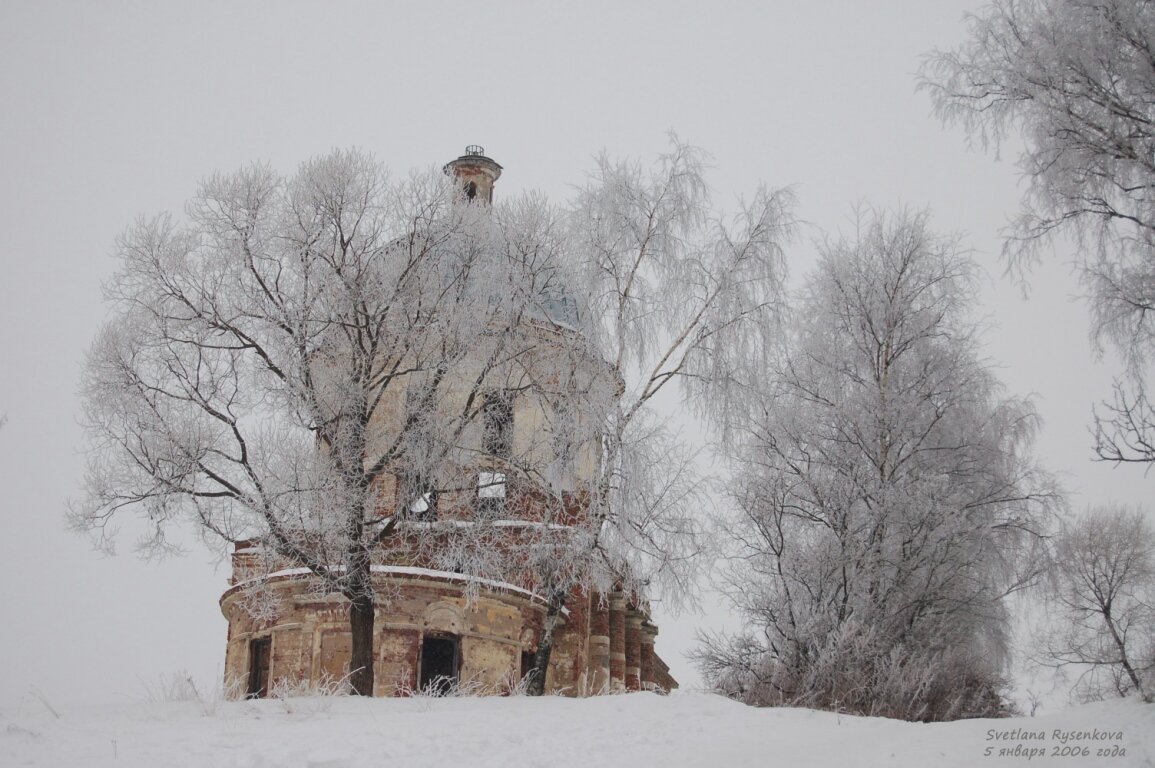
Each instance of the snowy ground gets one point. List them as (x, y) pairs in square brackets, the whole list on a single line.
[(685, 729)]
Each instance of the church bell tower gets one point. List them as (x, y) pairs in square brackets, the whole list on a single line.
[(476, 174)]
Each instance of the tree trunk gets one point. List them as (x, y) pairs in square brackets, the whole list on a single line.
[(536, 684), (1122, 647), (362, 610), (361, 618)]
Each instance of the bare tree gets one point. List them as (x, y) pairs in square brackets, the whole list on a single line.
[(886, 501), (1104, 593), (252, 373), (1078, 79), (672, 294), (1124, 427)]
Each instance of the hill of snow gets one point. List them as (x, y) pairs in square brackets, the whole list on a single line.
[(685, 729)]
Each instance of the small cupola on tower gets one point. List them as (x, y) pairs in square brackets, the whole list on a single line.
[(476, 174)]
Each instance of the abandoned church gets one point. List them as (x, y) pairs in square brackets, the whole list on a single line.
[(436, 626)]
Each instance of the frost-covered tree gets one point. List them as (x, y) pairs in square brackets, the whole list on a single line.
[(1076, 80), (886, 500), (251, 374), (313, 362), (674, 295), (1103, 594)]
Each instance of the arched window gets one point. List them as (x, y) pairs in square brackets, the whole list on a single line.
[(471, 190), (497, 424)]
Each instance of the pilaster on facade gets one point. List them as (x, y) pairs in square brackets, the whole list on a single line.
[(648, 635), (570, 662), (633, 650), (599, 644), (617, 641)]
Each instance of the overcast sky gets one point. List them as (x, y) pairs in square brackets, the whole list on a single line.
[(112, 110)]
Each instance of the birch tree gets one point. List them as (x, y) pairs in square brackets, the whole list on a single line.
[(1075, 81), (674, 296), (886, 502)]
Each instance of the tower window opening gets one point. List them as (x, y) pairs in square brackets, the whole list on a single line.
[(565, 434), (497, 424), (560, 308), (424, 507), (491, 485), (471, 190), (490, 501), (416, 496)]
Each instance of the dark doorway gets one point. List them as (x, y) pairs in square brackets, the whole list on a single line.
[(260, 655), (440, 659)]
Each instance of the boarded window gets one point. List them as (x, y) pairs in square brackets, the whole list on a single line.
[(490, 502), (260, 662), (491, 485), (336, 650)]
